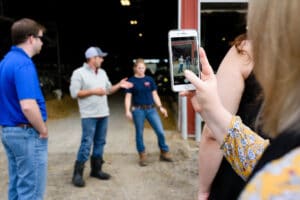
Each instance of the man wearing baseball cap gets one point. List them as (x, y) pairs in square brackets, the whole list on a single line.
[(90, 85), (94, 51)]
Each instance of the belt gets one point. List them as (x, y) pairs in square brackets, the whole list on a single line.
[(24, 125), (144, 107)]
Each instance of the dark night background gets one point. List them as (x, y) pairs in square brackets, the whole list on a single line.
[(80, 24), (73, 26)]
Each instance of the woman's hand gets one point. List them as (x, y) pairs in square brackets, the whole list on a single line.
[(128, 115), (206, 95), (163, 111), (206, 99)]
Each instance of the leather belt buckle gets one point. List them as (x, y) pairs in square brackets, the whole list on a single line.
[(25, 125), (144, 107)]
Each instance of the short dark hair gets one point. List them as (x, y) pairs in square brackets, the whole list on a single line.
[(23, 28)]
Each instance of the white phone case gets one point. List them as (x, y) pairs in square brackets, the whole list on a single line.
[(183, 54)]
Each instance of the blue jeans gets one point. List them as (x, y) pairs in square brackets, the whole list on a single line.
[(139, 116), (27, 156), (180, 69), (93, 133)]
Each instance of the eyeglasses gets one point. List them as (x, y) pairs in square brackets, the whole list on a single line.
[(41, 37)]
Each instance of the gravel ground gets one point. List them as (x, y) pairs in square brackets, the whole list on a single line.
[(157, 181)]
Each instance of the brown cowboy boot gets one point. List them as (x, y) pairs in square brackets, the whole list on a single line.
[(165, 156), (143, 159)]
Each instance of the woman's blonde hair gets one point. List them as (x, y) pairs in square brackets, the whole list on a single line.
[(137, 61), (274, 30)]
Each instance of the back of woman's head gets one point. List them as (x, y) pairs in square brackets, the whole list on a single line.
[(274, 29)]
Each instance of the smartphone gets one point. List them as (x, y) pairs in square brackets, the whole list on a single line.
[(183, 54)]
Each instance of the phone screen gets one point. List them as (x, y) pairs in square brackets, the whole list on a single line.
[(184, 56)]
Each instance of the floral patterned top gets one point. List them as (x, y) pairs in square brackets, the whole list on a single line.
[(279, 179)]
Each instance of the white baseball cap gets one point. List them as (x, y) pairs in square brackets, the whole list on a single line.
[(94, 51)]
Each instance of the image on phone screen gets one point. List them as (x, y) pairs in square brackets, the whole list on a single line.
[(184, 56)]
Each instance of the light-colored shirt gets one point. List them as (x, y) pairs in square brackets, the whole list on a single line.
[(85, 78), (278, 179)]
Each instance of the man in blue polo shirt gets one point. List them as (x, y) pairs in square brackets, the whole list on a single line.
[(23, 113)]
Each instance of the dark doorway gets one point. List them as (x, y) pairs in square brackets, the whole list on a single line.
[(220, 24)]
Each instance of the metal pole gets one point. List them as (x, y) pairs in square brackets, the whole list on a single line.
[(1, 8), (179, 15), (58, 58), (198, 127), (184, 131), (183, 102)]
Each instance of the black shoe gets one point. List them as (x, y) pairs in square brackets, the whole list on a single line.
[(100, 175), (96, 169), (77, 179)]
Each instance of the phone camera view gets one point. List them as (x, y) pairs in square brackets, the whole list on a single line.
[(185, 56)]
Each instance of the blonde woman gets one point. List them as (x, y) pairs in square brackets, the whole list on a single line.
[(270, 169), (141, 102), (240, 94)]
